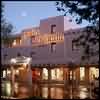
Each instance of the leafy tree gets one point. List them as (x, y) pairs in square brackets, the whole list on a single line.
[(84, 10), (6, 29)]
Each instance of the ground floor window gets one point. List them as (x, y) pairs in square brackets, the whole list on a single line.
[(93, 73), (4, 74), (57, 74), (82, 73), (45, 74)]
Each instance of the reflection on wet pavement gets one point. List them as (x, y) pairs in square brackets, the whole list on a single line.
[(48, 91)]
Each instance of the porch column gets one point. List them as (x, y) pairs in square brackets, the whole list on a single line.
[(49, 74), (41, 72)]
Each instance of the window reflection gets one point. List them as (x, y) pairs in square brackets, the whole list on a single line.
[(45, 92)]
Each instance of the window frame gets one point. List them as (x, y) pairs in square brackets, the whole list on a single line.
[(51, 47), (52, 28)]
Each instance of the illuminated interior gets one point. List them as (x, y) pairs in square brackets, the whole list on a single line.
[(70, 75), (93, 73), (57, 74), (4, 73), (45, 74), (8, 88), (38, 39), (82, 73), (14, 43)]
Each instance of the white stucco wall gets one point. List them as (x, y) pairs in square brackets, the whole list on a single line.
[(42, 54), (68, 24), (45, 25)]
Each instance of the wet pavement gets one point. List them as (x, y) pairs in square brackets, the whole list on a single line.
[(51, 91)]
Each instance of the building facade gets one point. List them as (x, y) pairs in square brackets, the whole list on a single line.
[(55, 57)]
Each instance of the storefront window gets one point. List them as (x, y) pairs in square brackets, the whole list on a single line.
[(82, 73), (93, 73), (57, 74), (4, 74), (53, 74), (45, 73), (97, 72)]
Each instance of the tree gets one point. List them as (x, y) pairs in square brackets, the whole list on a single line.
[(6, 29), (84, 10)]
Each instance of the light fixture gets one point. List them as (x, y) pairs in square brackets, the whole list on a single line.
[(13, 60)]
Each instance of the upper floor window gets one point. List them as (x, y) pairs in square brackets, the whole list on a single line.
[(53, 28), (53, 47), (32, 54), (5, 56)]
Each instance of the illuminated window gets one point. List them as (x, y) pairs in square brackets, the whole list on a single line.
[(53, 29), (70, 75), (8, 88), (53, 47), (14, 43), (4, 73), (17, 71), (53, 74), (97, 72), (8, 71), (93, 73), (82, 73), (45, 73), (57, 74)]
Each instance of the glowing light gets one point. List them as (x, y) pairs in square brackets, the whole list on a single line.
[(82, 73), (4, 74), (17, 71), (8, 88), (13, 60), (8, 71), (28, 59), (45, 73), (14, 43), (83, 95)]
